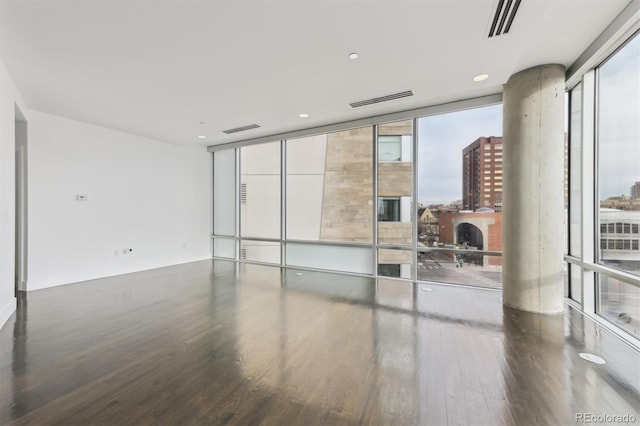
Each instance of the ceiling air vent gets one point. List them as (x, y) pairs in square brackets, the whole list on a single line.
[(241, 129), (382, 99), (502, 20)]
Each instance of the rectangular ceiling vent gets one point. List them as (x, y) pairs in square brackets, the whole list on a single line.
[(241, 129), (382, 99), (502, 20)]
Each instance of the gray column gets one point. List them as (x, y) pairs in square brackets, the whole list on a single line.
[(533, 190)]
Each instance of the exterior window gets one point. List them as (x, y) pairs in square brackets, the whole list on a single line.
[(634, 229), (603, 244), (618, 150), (612, 228), (389, 209), (389, 148), (634, 244), (603, 228)]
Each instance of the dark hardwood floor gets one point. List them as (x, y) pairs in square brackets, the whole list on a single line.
[(214, 342)]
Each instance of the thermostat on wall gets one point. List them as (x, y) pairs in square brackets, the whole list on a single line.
[(81, 197)]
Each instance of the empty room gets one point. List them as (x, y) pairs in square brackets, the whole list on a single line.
[(349, 212)]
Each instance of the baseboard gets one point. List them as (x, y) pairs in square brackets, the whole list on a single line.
[(33, 285), (7, 311)]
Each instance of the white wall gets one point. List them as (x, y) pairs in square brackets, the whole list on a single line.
[(9, 97), (142, 194)]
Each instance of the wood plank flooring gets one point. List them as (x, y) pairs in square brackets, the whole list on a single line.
[(217, 343)]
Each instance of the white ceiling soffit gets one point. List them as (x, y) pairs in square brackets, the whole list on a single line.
[(174, 70)]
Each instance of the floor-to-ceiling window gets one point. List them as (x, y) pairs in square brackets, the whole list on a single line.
[(225, 203), (394, 144), (459, 166), (260, 202), (359, 200), (618, 189), (329, 201), (604, 200)]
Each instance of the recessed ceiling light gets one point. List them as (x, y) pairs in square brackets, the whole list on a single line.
[(202, 137), (303, 115), (353, 55), (480, 77)]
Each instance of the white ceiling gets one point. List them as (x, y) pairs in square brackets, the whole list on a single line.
[(157, 68)]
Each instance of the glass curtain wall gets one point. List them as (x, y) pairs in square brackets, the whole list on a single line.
[(329, 200), (575, 199), (459, 214), (604, 219), (260, 202), (618, 177), (348, 201), (224, 203), (395, 216)]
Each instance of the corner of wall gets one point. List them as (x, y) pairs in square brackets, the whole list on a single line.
[(7, 311)]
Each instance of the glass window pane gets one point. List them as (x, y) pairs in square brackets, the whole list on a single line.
[(620, 303), (389, 209), (260, 251), (223, 247), (566, 279), (575, 277), (619, 151), (575, 170), (460, 193), (395, 184), (390, 148), (224, 192), (395, 263), (260, 190), (335, 258), (330, 187)]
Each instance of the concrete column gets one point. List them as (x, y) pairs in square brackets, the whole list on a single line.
[(533, 190)]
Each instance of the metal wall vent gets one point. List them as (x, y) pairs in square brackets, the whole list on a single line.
[(502, 20), (243, 253), (243, 193), (241, 129), (382, 99)]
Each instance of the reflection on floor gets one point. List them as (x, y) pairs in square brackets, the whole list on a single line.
[(216, 342), (467, 269)]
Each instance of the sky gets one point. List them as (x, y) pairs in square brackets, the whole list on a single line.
[(441, 139), (619, 125)]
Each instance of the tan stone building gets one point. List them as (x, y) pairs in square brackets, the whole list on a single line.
[(347, 200)]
